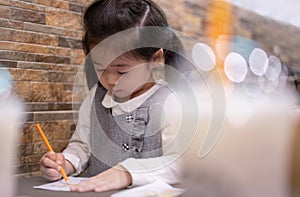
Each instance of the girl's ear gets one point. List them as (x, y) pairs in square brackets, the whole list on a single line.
[(158, 65), (158, 56)]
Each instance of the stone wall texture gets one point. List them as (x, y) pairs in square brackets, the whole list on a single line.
[(40, 44)]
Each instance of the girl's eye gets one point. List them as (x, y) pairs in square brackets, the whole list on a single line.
[(122, 73), (100, 70)]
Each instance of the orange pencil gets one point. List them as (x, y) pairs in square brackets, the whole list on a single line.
[(62, 171)]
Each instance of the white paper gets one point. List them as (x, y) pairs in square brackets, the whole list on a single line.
[(157, 189), (60, 185)]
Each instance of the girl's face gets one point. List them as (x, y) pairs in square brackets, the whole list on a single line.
[(125, 78)]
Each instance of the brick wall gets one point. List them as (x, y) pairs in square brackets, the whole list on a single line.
[(40, 45)]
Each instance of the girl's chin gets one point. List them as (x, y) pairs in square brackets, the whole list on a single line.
[(120, 97)]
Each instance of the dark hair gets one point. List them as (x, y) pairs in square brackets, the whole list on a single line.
[(104, 18)]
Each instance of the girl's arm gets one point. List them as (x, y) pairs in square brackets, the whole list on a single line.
[(75, 157), (168, 166), (78, 149)]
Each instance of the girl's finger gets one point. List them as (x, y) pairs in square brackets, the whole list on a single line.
[(51, 155), (50, 174), (60, 159), (48, 163), (84, 186)]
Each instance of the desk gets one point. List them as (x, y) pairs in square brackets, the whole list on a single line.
[(25, 189)]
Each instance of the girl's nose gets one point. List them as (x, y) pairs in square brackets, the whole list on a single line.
[(112, 79)]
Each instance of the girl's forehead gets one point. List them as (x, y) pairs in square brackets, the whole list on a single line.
[(127, 58)]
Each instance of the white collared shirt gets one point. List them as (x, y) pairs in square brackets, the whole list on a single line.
[(143, 171), (132, 104)]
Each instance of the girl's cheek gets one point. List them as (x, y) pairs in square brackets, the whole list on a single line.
[(102, 81)]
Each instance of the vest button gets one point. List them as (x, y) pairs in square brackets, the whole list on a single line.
[(129, 118), (125, 147)]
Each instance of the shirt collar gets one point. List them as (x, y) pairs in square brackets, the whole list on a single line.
[(132, 104)]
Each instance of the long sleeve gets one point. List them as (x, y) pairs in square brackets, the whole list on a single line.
[(78, 150), (167, 167)]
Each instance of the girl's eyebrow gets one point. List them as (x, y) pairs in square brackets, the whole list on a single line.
[(119, 65), (115, 65)]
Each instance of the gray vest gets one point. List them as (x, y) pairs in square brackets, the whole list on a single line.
[(133, 135)]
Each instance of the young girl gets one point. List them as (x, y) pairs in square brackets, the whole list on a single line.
[(129, 119)]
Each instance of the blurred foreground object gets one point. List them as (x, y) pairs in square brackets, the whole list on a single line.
[(295, 165), (252, 157), (10, 118)]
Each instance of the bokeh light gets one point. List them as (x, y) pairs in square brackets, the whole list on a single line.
[(274, 68), (267, 86), (235, 67), (258, 62), (203, 57), (282, 79)]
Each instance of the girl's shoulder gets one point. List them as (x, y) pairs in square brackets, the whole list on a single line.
[(163, 95), (90, 97), (161, 92)]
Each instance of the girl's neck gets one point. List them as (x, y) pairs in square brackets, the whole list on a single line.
[(142, 89)]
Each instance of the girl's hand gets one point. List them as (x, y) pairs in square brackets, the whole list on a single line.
[(51, 163), (116, 177)]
